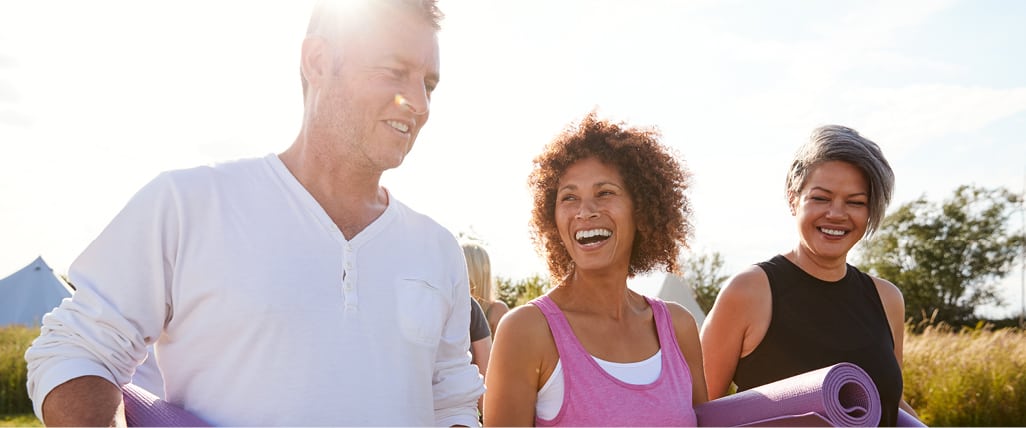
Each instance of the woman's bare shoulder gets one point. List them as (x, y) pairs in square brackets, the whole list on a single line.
[(523, 322), (748, 284), (498, 308)]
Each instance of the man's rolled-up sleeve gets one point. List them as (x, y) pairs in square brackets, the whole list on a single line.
[(119, 305), (457, 383)]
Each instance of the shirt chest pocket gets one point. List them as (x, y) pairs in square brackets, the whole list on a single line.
[(422, 311)]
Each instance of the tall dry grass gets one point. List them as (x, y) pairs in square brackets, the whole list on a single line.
[(20, 420), (970, 377)]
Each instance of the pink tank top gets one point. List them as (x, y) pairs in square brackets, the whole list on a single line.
[(593, 397)]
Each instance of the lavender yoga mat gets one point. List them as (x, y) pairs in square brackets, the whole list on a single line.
[(143, 409), (907, 420), (841, 395)]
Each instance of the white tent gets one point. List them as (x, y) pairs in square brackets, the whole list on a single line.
[(28, 294), (670, 288)]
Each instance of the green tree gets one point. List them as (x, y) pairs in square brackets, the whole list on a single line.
[(522, 291), (947, 259), (704, 274)]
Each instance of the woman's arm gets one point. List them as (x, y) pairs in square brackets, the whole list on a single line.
[(894, 307), (480, 352), (734, 327), (516, 367), (686, 329), (496, 310)]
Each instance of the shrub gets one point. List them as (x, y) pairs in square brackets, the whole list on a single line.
[(14, 340), (520, 292)]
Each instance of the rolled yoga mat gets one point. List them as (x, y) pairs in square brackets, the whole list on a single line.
[(838, 395), (144, 409), (906, 419)]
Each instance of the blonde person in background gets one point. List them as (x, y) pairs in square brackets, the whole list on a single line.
[(480, 338), (482, 321), (482, 286), (480, 343)]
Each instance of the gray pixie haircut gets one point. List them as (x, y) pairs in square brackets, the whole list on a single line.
[(839, 143), (330, 19)]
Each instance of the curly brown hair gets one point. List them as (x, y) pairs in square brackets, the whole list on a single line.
[(654, 174)]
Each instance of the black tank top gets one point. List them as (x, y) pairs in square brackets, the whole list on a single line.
[(819, 323)]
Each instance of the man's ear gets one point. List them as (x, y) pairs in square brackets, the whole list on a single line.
[(316, 62), (792, 200)]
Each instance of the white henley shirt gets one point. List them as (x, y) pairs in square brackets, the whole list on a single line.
[(261, 313)]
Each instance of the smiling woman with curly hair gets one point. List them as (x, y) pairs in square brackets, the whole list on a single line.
[(609, 204), (652, 172)]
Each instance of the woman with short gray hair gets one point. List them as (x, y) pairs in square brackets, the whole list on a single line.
[(808, 308)]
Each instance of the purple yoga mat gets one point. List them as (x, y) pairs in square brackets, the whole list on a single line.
[(811, 419), (840, 395), (143, 409), (907, 420)]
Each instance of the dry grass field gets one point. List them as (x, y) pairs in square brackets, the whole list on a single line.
[(972, 377)]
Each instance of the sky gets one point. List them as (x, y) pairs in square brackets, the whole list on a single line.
[(98, 97)]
